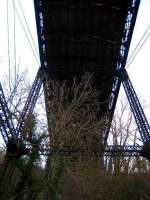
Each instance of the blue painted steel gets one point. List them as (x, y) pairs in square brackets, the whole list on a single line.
[(124, 47), (122, 57), (7, 129), (6, 124), (40, 30), (139, 115), (30, 103), (109, 150)]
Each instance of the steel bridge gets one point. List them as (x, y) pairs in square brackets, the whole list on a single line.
[(76, 36), (93, 35)]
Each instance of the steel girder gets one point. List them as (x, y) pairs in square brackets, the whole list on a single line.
[(40, 30), (122, 58)]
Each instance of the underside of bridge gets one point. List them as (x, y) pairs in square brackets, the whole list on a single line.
[(86, 35)]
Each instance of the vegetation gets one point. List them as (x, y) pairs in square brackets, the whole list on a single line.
[(73, 116)]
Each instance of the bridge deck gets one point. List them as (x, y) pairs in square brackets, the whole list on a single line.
[(81, 35)]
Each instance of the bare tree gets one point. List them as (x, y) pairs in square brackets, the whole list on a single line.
[(73, 117), (17, 173), (124, 132)]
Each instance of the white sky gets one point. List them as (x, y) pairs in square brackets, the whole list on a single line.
[(139, 70), (25, 57)]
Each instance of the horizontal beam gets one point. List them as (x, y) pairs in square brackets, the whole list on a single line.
[(110, 150)]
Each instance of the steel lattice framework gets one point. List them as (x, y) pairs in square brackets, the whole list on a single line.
[(6, 124), (31, 101), (140, 118)]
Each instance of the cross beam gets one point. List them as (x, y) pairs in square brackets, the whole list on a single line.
[(109, 150)]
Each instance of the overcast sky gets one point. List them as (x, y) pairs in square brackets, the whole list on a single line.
[(24, 53), (139, 70)]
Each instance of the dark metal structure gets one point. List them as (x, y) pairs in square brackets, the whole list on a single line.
[(98, 151), (137, 110), (86, 35), (77, 36), (90, 35)]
